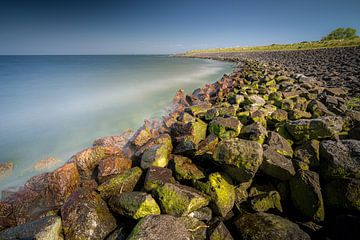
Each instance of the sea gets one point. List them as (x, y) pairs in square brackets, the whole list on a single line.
[(55, 106)]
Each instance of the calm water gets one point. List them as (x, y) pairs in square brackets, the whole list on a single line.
[(57, 105)]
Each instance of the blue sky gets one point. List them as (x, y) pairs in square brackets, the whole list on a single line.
[(157, 26)]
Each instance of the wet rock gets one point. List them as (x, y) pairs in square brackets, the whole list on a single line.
[(111, 166), (343, 194), (208, 145), (157, 176), (86, 216), (6, 168), (46, 164), (255, 132), (160, 227), (277, 165), (196, 227), (307, 129), (135, 205), (308, 153), (203, 214), (265, 226), (218, 231), (306, 194), (157, 156), (123, 182), (42, 229), (279, 144), (186, 170), (179, 200), (241, 157), (191, 131), (141, 136), (114, 141), (225, 128), (199, 109), (340, 160), (162, 139), (88, 159)]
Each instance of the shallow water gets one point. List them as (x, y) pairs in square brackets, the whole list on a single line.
[(57, 105)]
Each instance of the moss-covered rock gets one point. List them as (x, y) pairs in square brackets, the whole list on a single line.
[(218, 231), (194, 131), (343, 194), (264, 202), (225, 128), (297, 114), (255, 132), (279, 144), (208, 145), (111, 166), (340, 160), (287, 104), (306, 194), (157, 156), (241, 193), (308, 153), (241, 157), (160, 227), (196, 227), (277, 165), (134, 204), (185, 169), (203, 214), (307, 129), (157, 176), (123, 182), (278, 116), (179, 200), (265, 226)]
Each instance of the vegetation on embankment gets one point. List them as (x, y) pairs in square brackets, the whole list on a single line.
[(284, 47)]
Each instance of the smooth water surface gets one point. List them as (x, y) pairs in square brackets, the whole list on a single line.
[(57, 105)]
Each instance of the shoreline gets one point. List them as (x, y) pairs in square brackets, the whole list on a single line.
[(190, 154)]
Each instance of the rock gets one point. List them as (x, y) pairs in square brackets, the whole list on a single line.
[(279, 144), (307, 129), (255, 132), (338, 92), (265, 201), (111, 166), (199, 109), (120, 233), (160, 227), (297, 114), (318, 109), (343, 194), (157, 156), (277, 165), (241, 193), (123, 182), (254, 100), (88, 159), (135, 205), (222, 193), (265, 226), (306, 194), (203, 214), (208, 145), (157, 176), (141, 136), (225, 128), (287, 104), (218, 231), (114, 141), (46, 164), (241, 157), (6, 168), (86, 216), (42, 229), (196, 227), (308, 153), (179, 200), (194, 131), (162, 139), (186, 170), (278, 116), (340, 160)]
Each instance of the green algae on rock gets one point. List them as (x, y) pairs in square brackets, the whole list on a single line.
[(157, 156), (307, 129), (196, 227), (279, 144), (225, 128), (277, 165), (157, 176), (185, 169), (179, 200), (265, 201), (255, 132), (218, 231), (135, 205)]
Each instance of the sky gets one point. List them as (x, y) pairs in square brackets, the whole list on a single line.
[(164, 26)]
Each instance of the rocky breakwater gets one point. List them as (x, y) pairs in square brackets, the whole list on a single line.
[(260, 154)]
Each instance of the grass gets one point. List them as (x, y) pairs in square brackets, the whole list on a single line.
[(284, 47)]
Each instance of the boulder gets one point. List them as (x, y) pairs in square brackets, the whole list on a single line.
[(186, 170), (160, 227), (157, 156), (42, 229), (265, 226), (157, 176), (196, 227), (306, 194), (162, 139), (207, 146), (179, 200), (307, 129), (194, 131), (297, 114), (241, 158), (279, 144), (343, 194), (218, 231), (308, 153), (276, 165), (141, 136), (203, 214), (86, 216), (278, 116), (135, 205), (340, 159), (88, 159), (123, 182), (255, 132), (241, 193), (225, 128), (265, 201), (110, 166)]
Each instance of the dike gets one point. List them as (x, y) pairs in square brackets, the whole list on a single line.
[(263, 153)]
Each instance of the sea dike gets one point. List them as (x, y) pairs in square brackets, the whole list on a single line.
[(263, 153)]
